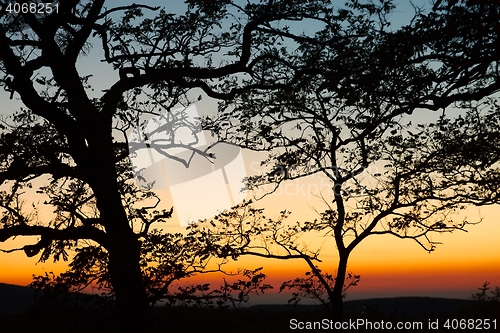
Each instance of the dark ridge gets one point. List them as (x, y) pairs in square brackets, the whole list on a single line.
[(409, 306), (15, 298), (19, 313)]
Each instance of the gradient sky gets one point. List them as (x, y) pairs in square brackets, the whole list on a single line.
[(388, 266)]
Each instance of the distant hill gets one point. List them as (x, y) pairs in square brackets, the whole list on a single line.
[(15, 298), (409, 306), (405, 306), (258, 318)]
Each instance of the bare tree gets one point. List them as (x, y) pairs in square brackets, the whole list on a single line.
[(348, 119)]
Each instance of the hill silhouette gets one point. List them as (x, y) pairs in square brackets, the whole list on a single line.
[(19, 312), (404, 306), (15, 298)]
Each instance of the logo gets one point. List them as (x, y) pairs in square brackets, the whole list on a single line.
[(169, 151)]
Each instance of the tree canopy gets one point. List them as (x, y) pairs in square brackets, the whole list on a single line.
[(64, 134), (348, 118), (329, 99)]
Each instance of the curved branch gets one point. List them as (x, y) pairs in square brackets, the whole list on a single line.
[(47, 233), (133, 6)]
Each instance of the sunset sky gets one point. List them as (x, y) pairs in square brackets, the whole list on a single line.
[(388, 266)]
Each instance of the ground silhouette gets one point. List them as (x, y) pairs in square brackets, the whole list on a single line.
[(32, 317)]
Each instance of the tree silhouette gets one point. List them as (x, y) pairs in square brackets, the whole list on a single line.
[(348, 119), (485, 301), (62, 144), (343, 86), (167, 261)]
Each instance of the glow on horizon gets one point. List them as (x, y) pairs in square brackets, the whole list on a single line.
[(388, 266)]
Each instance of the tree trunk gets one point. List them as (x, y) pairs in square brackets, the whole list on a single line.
[(336, 297), (122, 243), (124, 269), (128, 285)]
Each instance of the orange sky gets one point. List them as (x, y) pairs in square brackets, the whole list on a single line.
[(388, 266)]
